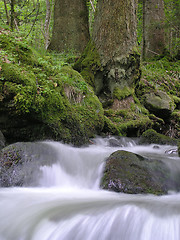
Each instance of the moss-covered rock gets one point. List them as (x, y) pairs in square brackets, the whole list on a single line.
[(39, 100), (159, 103), (151, 136), (131, 173), (126, 118)]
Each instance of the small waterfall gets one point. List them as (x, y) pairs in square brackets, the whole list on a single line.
[(67, 203)]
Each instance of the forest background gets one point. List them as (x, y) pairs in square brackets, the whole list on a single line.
[(31, 23)]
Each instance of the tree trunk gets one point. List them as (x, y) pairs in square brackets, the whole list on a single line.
[(153, 28), (115, 38), (47, 23), (12, 14), (7, 15), (70, 30)]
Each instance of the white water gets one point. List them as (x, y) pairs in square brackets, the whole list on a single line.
[(68, 204)]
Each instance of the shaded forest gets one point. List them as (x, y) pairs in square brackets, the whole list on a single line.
[(70, 71)]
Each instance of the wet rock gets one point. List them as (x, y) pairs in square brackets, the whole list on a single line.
[(131, 173), (20, 163)]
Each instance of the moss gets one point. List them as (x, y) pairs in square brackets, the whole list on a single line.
[(126, 122), (89, 63), (151, 136), (110, 127), (176, 101), (161, 75), (15, 73), (176, 115), (43, 100), (122, 93)]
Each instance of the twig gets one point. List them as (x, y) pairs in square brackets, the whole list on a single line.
[(34, 19), (92, 5)]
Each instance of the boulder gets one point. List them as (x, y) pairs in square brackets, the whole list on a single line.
[(20, 163), (159, 103), (151, 136), (131, 173)]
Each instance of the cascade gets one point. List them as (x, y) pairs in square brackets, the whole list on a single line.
[(67, 202)]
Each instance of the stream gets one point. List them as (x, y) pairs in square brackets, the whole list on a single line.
[(68, 204)]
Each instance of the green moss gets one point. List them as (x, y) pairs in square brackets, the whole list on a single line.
[(89, 64), (122, 93), (52, 100), (161, 75), (15, 73), (176, 100), (126, 122), (151, 136)]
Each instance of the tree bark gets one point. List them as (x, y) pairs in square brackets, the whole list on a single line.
[(115, 38), (70, 30), (153, 28), (47, 23), (7, 15), (12, 15)]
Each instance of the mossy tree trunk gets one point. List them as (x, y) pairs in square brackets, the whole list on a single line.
[(115, 38), (153, 28), (70, 30)]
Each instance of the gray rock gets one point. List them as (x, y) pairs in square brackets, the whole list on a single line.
[(20, 163), (159, 103)]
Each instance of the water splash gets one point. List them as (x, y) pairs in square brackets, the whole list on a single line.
[(67, 203)]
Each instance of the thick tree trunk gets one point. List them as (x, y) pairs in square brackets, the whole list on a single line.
[(70, 30), (115, 38), (153, 28)]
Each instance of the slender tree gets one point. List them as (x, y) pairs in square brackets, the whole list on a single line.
[(70, 30), (6, 11), (12, 15), (153, 28), (46, 29)]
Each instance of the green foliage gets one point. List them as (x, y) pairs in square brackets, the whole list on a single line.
[(30, 18), (171, 26), (162, 75)]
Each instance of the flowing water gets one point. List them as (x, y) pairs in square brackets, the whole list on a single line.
[(67, 203)]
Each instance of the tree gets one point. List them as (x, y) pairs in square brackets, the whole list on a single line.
[(12, 14), (46, 29), (172, 13), (153, 28), (70, 30), (6, 11), (114, 35)]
